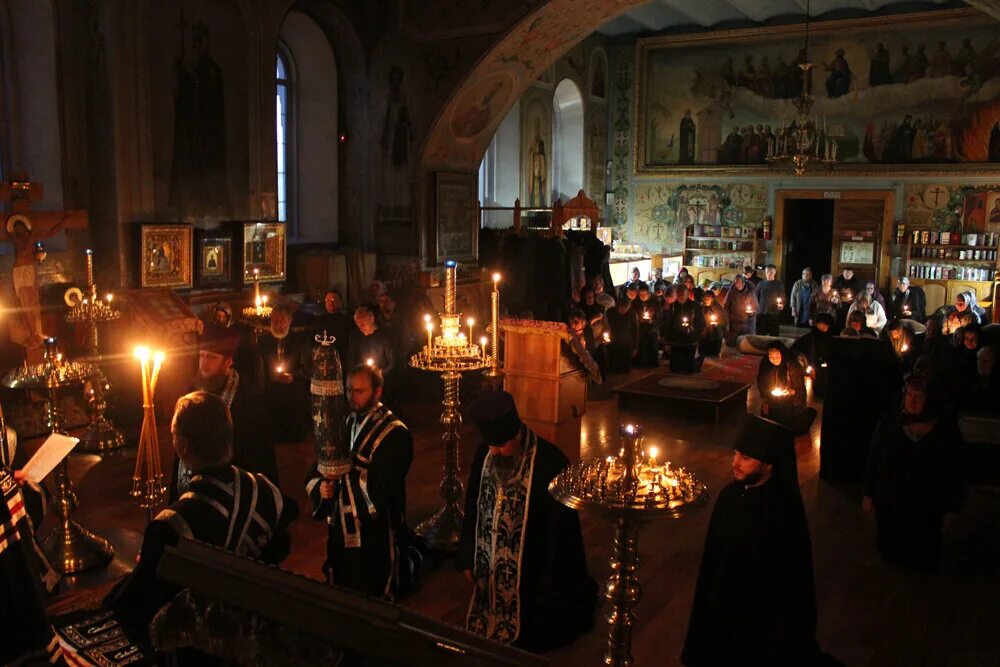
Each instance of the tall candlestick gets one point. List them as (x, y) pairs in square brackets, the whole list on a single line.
[(470, 322), (430, 338), (449, 286), (495, 320), (90, 266), (256, 287)]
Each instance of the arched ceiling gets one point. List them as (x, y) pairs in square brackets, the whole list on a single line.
[(463, 128)]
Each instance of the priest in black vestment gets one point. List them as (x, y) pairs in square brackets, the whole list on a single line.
[(335, 321), (521, 549), (287, 358), (253, 435), (755, 601), (369, 547), (225, 506)]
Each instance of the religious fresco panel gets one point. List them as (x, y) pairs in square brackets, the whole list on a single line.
[(902, 93), (536, 148), (663, 210), (966, 208)]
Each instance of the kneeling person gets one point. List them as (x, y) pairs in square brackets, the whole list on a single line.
[(522, 550), (224, 506)]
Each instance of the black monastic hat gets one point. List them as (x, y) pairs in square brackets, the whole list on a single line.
[(495, 416)]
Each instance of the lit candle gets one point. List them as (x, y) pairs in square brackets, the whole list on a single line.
[(780, 304), (470, 322), (848, 296), (370, 362), (607, 337), (483, 340), (110, 297), (449, 286), (495, 321), (90, 266), (713, 320), (904, 348), (256, 286), (778, 391), (749, 310), (645, 314), (907, 312), (653, 452), (823, 365), (684, 322), (279, 369), (430, 341), (809, 370)]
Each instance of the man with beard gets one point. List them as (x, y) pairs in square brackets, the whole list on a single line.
[(335, 321), (253, 436), (369, 547), (755, 602), (370, 342), (521, 549), (287, 358)]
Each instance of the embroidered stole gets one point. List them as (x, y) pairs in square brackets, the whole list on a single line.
[(495, 608), (367, 436), (227, 394)]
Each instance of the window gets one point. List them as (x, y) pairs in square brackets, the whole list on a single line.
[(282, 132), (568, 130)]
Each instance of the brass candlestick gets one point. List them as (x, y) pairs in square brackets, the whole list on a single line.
[(148, 488), (450, 355), (629, 489), (70, 548), (493, 373), (101, 436)]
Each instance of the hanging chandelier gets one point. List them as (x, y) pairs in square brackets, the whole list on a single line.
[(802, 141)]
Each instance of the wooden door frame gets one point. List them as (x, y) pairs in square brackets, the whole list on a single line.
[(887, 197)]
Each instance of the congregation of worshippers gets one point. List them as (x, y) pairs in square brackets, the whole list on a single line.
[(499, 333)]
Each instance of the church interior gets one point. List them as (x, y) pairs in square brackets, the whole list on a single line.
[(500, 332)]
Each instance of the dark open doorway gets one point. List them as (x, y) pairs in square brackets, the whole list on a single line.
[(808, 237)]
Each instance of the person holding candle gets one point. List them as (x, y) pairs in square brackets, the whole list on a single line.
[(814, 350), (368, 341), (584, 346), (848, 286), (224, 506), (624, 344), (874, 314), (825, 300), (287, 357), (770, 294), (908, 302), (903, 341), (686, 324), (335, 321), (648, 312), (755, 599), (253, 428), (521, 550), (716, 324), (741, 306), (782, 387)]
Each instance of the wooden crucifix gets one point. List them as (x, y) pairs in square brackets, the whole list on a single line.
[(25, 228)]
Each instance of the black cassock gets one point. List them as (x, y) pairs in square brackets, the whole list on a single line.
[(225, 507), (521, 533), (289, 404), (755, 603), (253, 433), (367, 546), (28, 637)]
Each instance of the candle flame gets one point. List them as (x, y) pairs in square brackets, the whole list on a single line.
[(496, 277), (905, 347), (653, 452), (279, 368), (159, 356), (483, 340), (141, 353), (430, 327), (471, 321), (427, 317), (809, 369), (370, 361), (630, 429)]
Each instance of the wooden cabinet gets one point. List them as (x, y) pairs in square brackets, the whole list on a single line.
[(718, 251), (945, 270)]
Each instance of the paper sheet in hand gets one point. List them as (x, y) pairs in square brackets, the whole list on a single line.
[(55, 448)]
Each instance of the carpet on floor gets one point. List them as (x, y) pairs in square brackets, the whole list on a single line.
[(731, 368)]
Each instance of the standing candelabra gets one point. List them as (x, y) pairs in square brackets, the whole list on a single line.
[(90, 310), (70, 548), (629, 489), (451, 354), (148, 488)]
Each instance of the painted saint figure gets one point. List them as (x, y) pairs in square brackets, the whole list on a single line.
[(538, 171), (395, 141), (687, 148)]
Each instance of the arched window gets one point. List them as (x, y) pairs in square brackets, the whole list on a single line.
[(283, 87), (567, 164)]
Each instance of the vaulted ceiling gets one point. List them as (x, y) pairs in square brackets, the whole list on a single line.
[(667, 15)]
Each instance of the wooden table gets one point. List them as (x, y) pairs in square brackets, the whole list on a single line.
[(660, 390)]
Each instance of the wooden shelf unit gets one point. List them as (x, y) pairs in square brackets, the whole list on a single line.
[(748, 249), (943, 278)]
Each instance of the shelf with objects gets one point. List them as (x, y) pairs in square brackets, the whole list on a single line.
[(719, 252), (946, 264)]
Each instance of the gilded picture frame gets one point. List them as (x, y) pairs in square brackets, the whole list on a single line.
[(264, 248), (457, 224), (677, 74), (165, 255), (214, 267)]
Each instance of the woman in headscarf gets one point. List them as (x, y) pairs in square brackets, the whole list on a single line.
[(903, 343), (874, 314), (782, 386), (961, 313), (741, 306), (913, 478), (825, 299)]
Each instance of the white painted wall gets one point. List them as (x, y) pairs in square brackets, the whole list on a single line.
[(314, 108), (567, 130), (500, 171)]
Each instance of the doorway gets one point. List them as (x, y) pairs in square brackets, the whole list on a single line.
[(808, 237)]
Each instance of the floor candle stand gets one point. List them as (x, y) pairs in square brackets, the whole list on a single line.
[(629, 489)]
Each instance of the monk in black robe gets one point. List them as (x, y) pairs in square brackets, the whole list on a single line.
[(368, 545), (287, 358), (755, 601), (913, 478), (370, 342), (521, 549), (335, 321), (686, 324), (253, 434), (224, 506)]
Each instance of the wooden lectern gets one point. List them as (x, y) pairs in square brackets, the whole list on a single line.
[(550, 390)]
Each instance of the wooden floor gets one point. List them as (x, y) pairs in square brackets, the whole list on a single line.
[(868, 614)]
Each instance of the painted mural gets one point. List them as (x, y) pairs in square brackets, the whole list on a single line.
[(536, 149), (952, 207), (663, 210), (917, 94), (200, 128), (622, 128)]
